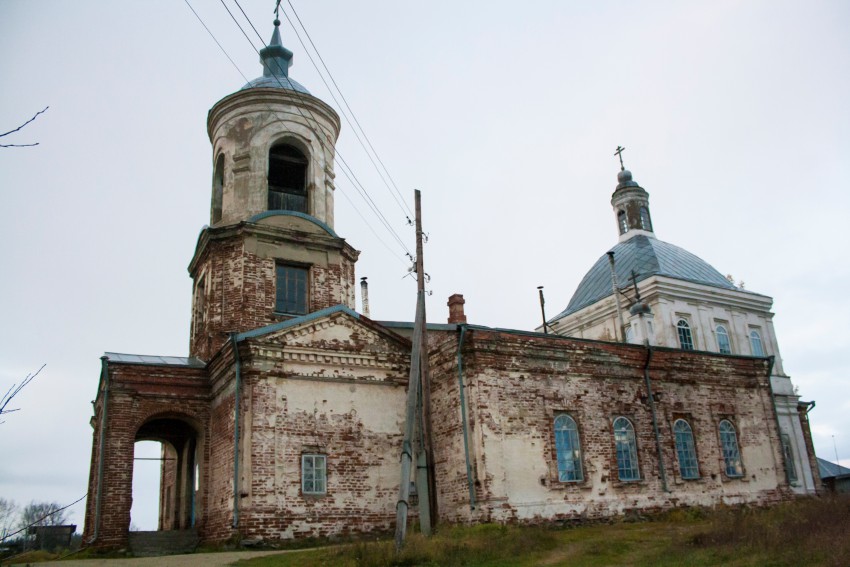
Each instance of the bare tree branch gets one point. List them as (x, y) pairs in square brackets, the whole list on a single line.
[(13, 391), (19, 128)]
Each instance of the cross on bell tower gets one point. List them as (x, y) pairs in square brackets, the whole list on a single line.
[(631, 204)]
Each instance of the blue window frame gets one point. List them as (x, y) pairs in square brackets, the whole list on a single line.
[(723, 344), (685, 450), (313, 474), (731, 454), (568, 449), (624, 439), (755, 343), (686, 340), (291, 292)]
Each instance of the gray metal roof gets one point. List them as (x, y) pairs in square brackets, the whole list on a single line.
[(276, 83), (647, 257), (828, 469), (190, 361)]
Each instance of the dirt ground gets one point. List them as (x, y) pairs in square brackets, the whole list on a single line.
[(222, 559)]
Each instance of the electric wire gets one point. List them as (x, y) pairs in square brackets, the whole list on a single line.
[(342, 109), (352, 177), (350, 173), (353, 116), (318, 138)]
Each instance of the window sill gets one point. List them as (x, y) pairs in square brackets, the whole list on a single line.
[(637, 483)]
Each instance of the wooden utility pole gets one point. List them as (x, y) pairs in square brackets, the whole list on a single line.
[(425, 378), (418, 413)]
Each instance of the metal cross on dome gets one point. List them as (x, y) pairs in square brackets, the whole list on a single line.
[(618, 153), (277, 10)]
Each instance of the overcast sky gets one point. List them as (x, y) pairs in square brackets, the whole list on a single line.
[(734, 115)]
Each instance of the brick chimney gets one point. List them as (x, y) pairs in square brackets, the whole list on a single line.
[(455, 304)]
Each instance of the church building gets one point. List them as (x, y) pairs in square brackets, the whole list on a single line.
[(286, 418)]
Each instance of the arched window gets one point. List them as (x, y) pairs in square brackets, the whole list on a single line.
[(645, 223), (568, 449), (218, 189), (622, 222), (624, 439), (723, 344), (755, 343), (686, 340), (287, 179), (685, 450), (630, 334), (731, 454)]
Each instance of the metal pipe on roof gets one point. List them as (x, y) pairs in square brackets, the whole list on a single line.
[(542, 308), (616, 289), (364, 295)]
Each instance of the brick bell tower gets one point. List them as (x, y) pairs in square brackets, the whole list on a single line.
[(270, 252)]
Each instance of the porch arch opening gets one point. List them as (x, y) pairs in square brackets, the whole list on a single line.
[(166, 475)]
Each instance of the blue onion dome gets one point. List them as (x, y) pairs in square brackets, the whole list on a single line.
[(276, 60)]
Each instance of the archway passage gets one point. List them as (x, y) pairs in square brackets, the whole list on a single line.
[(179, 471)]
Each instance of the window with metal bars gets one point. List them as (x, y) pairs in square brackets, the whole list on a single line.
[(291, 295), (685, 450), (624, 439), (723, 344), (287, 179), (686, 339), (568, 449), (731, 453)]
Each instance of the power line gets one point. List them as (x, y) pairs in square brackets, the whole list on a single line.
[(350, 174), (354, 116), (319, 137), (331, 91), (52, 512)]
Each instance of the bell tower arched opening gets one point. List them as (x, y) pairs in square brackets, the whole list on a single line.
[(218, 189), (287, 179)]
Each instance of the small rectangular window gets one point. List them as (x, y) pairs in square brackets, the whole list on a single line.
[(291, 293), (313, 474)]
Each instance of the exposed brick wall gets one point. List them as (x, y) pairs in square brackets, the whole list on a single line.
[(336, 387), (240, 283), (137, 395), (516, 384)]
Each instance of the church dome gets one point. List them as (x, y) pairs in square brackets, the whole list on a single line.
[(648, 257), (276, 60)]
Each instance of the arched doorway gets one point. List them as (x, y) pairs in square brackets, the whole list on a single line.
[(179, 459)]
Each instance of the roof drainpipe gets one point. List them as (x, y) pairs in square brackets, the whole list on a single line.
[(651, 399), (104, 376), (364, 295), (463, 416), (616, 290), (234, 339), (786, 464)]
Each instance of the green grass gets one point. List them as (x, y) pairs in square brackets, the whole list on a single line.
[(805, 532)]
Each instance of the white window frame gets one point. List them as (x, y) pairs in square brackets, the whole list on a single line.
[(720, 329), (756, 334), (679, 328), (314, 474)]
